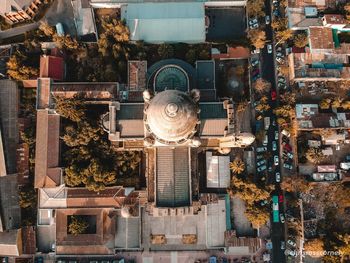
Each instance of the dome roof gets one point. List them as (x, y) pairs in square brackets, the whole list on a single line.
[(171, 116)]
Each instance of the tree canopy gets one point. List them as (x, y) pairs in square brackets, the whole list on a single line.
[(257, 38), (77, 226)]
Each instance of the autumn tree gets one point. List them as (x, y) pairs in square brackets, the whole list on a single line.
[(261, 85), (283, 69), (300, 40), (258, 217), (242, 106), (82, 134), (346, 105), (325, 103), (166, 51), (77, 226), (314, 155), (257, 38), (17, 70), (72, 108), (237, 166), (296, 184), (279, 24), (48, 30), (255, 8), (27, 198), (288, 98), (284, 35), (337, 102)]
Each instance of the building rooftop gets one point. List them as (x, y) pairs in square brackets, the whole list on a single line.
[(11, 243), (333, 19), (320, 38), (165, 22), (51, 67), (47, 172), (173, 176)]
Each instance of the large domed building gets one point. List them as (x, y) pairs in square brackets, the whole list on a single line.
[(179, 111)]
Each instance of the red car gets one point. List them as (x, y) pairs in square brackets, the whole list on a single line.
[(287, 147), (273, 95), (280, 198)]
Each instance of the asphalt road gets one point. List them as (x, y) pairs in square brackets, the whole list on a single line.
[(268, 73)]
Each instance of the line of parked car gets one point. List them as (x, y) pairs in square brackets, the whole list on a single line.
[(287, 153)]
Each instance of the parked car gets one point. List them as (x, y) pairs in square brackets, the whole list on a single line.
[(279, 49), (256, 77), (254, 63), (279, 54), (269, 48), (276, 135), (267, 20), (254, 26), (273, 95), (280, 60), (266, 140), (288, 166), (261, 162), (281, 85), (290, 155), (213, 259), (276, 12), (280, 198), (282, 80), (291, 253), (261, 168), (259, 157), (282, 219), (276, 160), (278, 177), (269, 169), (253, 21), (291, 243), (283, 245), (274, 146), (261, 149), (287, 147), (285, 133), (275, 3), (264, 202)]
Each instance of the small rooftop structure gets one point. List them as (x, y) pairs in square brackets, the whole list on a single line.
[(320, 38), (241, 245), (11, 243), (334, 21), (326, 168), (165, 22), (218, 171), (322, 177), (52, 67), (84, 20)]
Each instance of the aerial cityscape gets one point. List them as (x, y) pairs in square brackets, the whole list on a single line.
[(175, 131)]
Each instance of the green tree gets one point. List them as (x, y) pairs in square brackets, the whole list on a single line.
[(166, 51), (314, 155), (77, 226), (72, 109), (237, 166), (300, 40), (257, 38)]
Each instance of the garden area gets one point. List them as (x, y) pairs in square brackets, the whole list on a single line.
[(88, 157), (81, 224)]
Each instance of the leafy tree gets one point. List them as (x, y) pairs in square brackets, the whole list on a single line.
[(256, 8), (191, 56), (314, 245), (72, 109), (300, 40), (247, 191), (314, 155), (285, 111), (337, 102), (346, 105), (241, 106), (237, 166), (27, 198), (204, 54), (288, 98), (82, 135), (47, 29), (165, 51), (325, 103), (283, 69), (284, 35), (296, 184), (262, 107), (77, 226), (261, 85), (258, 217), (17, 70), (257, 38), (279, 24)]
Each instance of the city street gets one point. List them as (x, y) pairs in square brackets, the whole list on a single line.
[(268, 73)]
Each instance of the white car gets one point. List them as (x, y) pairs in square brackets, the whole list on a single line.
[(269, 48), (276, 160), (261, 168), (283, 245), (274, 146), (291, 243), (267, 20), (261, 162), (282, 218), (278, 177), (279, 60), (276, 135)]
